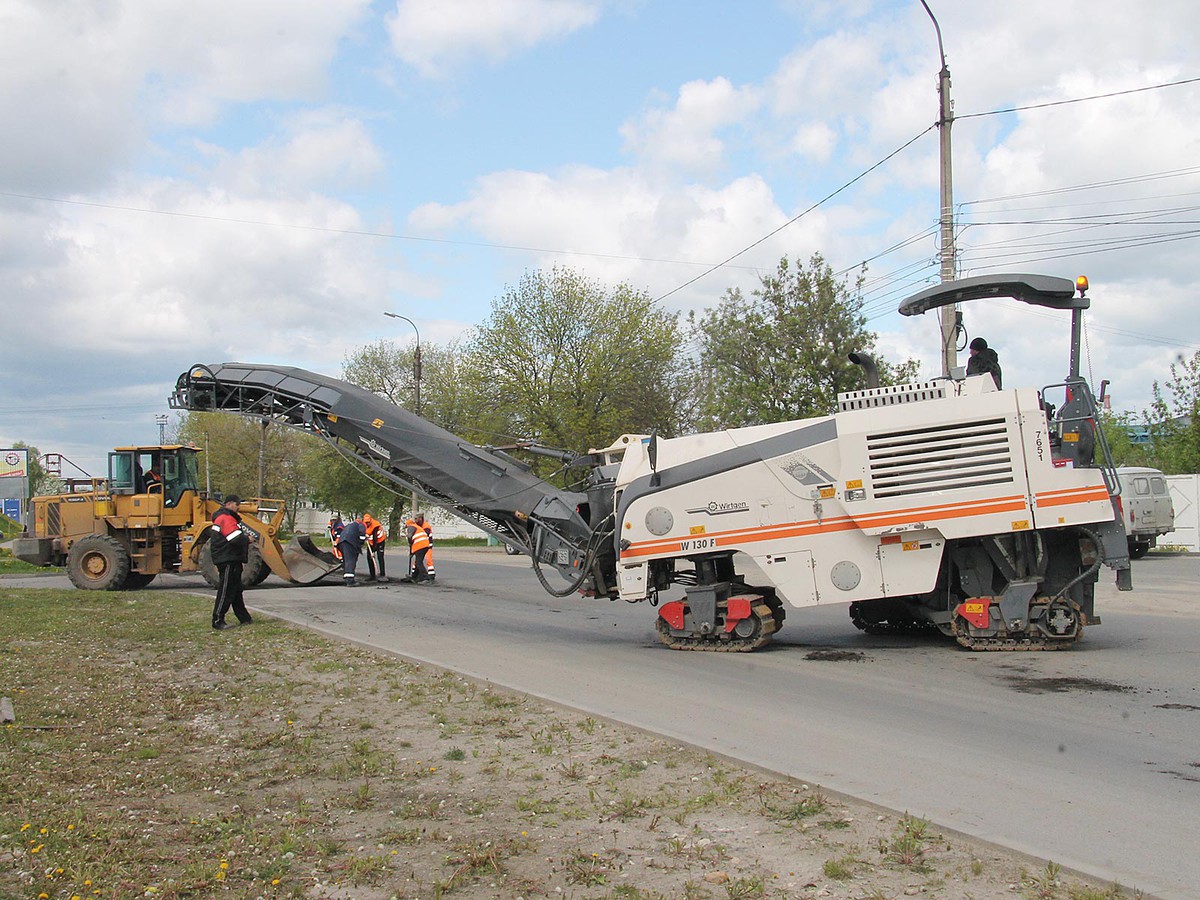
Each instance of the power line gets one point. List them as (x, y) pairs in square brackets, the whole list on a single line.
[(1112, 182), (1012, 109), (795, 219)]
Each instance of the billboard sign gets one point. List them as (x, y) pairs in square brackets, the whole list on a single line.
[(14, 463)]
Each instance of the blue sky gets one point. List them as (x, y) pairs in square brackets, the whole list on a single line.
[(199, 182)]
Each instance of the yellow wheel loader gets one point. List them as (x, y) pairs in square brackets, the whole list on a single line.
[(150, 516)]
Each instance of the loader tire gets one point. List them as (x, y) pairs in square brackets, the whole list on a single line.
[(98, 563), (254, 571)]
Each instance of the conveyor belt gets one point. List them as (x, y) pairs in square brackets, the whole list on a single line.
[(484, 488)]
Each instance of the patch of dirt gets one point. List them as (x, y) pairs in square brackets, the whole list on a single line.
[(1045, 684), (835, 655)]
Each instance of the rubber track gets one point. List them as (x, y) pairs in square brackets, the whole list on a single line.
[(914, 626), (1036, 642), (906, 625), (723, 642)]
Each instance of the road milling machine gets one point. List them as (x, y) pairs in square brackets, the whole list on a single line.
[(947, 505), (119, 533)]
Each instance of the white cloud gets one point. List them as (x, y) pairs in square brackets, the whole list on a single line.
[(434, 35), (814, 141), (685, 135), (631, 226), (101, 75), (318, 149)]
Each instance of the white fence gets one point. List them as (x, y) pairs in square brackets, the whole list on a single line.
[(1185, 496), (310, 520)]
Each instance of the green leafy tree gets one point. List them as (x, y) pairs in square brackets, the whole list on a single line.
[(781, 353), (248, 457), (1173, 419), (567, 362), (41, 482), (334, 478), (1118, 431)]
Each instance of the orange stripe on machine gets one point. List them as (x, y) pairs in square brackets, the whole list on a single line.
[(911, 516), (1090, 494)]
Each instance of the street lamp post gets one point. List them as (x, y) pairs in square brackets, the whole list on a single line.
[(949, 314), (416, 377), (416, 359)]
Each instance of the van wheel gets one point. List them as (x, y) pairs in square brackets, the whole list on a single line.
[(98, 563), (1138, 549)]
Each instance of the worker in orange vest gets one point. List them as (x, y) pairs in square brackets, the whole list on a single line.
[(335, 532), (420, 545), (376, 541)]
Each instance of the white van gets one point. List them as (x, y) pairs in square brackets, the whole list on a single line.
[(1148, 508)]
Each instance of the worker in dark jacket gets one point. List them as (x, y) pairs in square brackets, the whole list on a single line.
[(350, 543), (984, 361), (230, 545)]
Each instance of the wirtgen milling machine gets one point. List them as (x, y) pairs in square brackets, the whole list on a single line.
[(985, 514)]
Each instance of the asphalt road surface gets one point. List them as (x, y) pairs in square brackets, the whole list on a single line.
[(1088, 757)]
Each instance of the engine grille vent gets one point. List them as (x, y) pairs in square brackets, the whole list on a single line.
[(894, 395), (946, 457)]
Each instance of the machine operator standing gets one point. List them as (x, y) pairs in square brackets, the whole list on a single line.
[(230, 550)]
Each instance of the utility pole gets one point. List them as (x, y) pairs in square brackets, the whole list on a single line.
[(262, 456), (161, 419), (416, 377), (949, 314)]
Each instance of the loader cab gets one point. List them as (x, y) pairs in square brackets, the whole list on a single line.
[(168, 471)]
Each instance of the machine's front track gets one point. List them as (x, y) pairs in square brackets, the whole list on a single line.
[(729, 624)]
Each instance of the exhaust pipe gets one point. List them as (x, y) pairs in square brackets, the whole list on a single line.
[(868, 366)]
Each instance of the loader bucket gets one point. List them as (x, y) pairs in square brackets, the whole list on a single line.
[(306, 563)]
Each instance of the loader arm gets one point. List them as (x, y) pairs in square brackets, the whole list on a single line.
[(490, 490)]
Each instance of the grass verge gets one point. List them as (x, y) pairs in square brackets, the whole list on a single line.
[(152, 757)]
